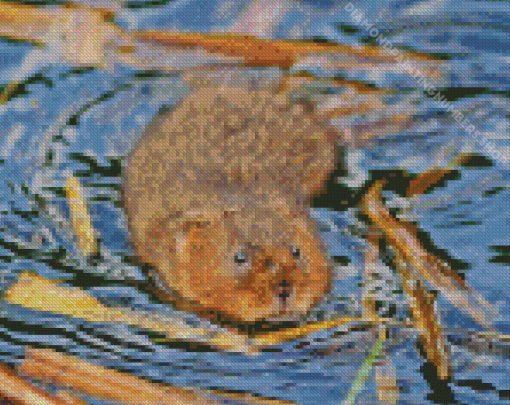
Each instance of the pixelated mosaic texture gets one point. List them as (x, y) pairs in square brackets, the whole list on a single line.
[(67, 131)]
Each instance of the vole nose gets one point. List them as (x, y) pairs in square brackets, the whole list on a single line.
[(284, 290)]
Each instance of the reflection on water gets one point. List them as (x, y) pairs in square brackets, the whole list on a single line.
[(48, 135)]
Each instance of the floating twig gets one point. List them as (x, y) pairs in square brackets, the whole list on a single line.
[(37, 24), (426, 321), (79, 376), (428, 178), (17, 391), (414, 263), (80, 218), (402, 237), (40, 294), (108, 384)]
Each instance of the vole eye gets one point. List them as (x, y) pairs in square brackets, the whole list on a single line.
[(296, 253), (241, 258)]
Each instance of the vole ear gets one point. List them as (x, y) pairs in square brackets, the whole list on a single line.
[(229, 214), (204, 219), (200, 232), (197, 220)]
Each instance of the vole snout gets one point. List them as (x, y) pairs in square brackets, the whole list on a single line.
[(284, 290)]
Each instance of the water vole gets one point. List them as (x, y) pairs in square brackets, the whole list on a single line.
[(217, 195)]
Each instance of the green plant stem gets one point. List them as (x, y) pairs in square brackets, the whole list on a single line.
[(365, 370)]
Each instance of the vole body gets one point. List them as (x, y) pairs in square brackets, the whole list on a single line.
[(217, 195)]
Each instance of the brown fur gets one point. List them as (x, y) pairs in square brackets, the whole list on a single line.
[(231, 170)]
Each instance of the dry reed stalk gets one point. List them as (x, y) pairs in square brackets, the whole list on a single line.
[(40, 294), (403, 238), (21, 21), (70, 399), (428, 178), (421, 301), (80, 218), (101, 382), (295, 80), (81, 376), (32, 23), (385, 372), (264, 52), (45, 295), (425, 319), (285, 335), (19, 392)]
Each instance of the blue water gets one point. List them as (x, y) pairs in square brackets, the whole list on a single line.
[(468, 217)]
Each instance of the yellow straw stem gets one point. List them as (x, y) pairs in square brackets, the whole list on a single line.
[(19, 392), (425, 321), (296, 333), (295, 80), (429, 178), (80, 218), (264, 52), (360, 108), (69, 398), (37, 293), (20, 21), (40, 294), (403, 238), (424, 317), (101, 382), (105, 383)]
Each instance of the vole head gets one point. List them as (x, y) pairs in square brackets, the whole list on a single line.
[(247, 266)]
